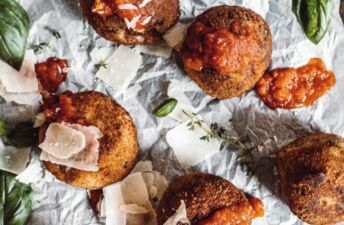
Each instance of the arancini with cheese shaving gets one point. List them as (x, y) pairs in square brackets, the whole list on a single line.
[(118, 146), (131, 21)]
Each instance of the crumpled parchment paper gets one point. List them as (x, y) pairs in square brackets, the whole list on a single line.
[(57, 203)]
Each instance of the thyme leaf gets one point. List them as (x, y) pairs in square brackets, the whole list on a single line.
[(215, 132)]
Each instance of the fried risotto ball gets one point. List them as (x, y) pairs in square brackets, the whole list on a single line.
[(208, 198), (131, 21), (226, 50), (118, 148), (311, 173)]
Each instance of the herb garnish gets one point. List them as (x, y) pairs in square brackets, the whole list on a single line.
[(3, 129), (215, 132), (14, 31), (166, 108), (55, 33), (15, 200), (101, 64), (38, 49), (23, 135), (314, 17)]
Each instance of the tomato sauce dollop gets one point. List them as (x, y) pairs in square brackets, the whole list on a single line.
[(295, 87), (134, 13), (224, 51), (60, 108), (242, 214), (51, 73)]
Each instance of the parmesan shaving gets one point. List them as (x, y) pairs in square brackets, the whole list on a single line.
[(144, 3), (127, 6), (133, 209), (72, 145), (20, 87), (14, 82), (62, 141), (180, 216), (176, 34), (132, 23), (139, 191), (39, 120), (188, 148), (161, 50), (113, 199), (32, 98), (13, 159), (120, 71)]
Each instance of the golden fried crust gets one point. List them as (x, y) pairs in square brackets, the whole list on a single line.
[(235, 84), (202, 193), (118, 147), (311, 173), (113, 28)]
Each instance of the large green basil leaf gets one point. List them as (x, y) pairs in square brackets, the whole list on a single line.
[(15, 200), (314, 17), (14, 31)]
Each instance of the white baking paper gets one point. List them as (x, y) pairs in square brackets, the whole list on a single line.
[(256, 124)]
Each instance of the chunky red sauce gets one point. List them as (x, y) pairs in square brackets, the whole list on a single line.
[(51, 73), (60, 108), (236, 215), (295, 87), (219, 49), (134, 13)]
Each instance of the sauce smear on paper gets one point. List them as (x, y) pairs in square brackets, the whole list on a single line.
[(295, 87)]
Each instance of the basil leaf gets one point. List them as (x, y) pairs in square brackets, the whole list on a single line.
[(314, 17), (14, 31), (23, 135), (3, 129), (166, 108), (15, 200)]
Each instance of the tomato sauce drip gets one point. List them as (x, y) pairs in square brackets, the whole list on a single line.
[(136, 15), (51, 73), (219, 49), (236, 215), (295, 87)]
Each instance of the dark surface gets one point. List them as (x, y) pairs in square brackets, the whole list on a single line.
[(342, 9)]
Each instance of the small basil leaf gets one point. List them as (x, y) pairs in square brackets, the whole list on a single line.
[(14, 31), (15, 200), (166, 108), (3, 129), (23, 135), (314, 17)]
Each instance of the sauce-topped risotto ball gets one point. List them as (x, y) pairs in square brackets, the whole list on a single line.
[(87, 139), (206, 199), (131, 21), (226, 50)]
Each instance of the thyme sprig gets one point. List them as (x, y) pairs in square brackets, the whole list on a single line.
[(215, 132), (38, 49), (101, 64)]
